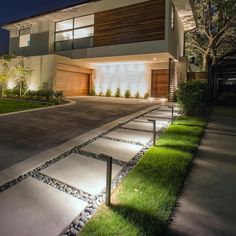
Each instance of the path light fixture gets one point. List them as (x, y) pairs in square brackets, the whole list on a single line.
[(108, 177), (154, 131)]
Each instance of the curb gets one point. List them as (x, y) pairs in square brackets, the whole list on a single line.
[(71, 102)]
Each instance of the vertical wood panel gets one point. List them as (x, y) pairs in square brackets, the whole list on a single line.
[(135, 23), (160, 85)]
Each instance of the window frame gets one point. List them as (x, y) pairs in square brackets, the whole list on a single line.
[(20, 30), (73, 29)]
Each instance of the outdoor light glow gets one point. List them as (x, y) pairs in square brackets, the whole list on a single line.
[(132, 76), (11, 84), (163, 100), (151, 99), (31, 87)]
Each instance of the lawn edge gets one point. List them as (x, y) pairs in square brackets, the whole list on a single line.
[(71, 102), (186, 175)]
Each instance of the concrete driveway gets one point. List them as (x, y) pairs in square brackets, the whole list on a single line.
[(27, 134)]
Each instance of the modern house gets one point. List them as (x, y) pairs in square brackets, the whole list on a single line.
[(106, 44)]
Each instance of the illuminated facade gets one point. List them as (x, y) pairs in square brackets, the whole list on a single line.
[(133, 44)]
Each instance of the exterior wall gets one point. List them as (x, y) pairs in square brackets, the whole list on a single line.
[(118, 50), (175, 36), (40, 33), (127, 75), (39, 45), (136, 23), (130, 31), (43, 69)]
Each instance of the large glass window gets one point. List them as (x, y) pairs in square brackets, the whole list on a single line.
[(83, 33), (63, 36), (84, 21), (77, 28), (24, 38), (64, 25)]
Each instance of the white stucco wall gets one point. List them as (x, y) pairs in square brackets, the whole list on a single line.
[(43, 71), (135, 76), (132, 76)]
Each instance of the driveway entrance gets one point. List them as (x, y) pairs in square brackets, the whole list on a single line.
[(27, 134)]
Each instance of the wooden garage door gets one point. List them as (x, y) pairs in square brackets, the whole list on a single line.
[(160, 83), (73, 80)]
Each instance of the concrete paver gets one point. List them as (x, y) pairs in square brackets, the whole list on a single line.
[(131, 135), (158, 120), (34, 208), (162, 114), (118, 150), (142, 126), (81, 172)]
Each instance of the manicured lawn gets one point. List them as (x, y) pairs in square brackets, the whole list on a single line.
[(143, 203), (7, 106)]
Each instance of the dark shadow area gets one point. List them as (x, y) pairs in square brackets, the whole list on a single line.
[(180, 147), (146, 223)]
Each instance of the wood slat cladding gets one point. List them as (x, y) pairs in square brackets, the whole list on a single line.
[(135, 23)]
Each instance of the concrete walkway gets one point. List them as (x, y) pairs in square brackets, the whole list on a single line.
[(207, 206), (67, 189)]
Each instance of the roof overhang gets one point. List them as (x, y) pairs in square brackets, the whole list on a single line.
[(185, 12), (54, 15)]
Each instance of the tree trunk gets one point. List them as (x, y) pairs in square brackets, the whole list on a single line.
[(204, 64), (20, 88), (2, 91)]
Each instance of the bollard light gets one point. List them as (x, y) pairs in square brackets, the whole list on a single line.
[(108, 178), (154, 131)]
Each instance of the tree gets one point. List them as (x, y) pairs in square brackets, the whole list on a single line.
[(4, 71), (21, 72), (215, 34)]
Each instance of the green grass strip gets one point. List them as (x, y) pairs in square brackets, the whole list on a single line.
[(7, 106), (143, 203)]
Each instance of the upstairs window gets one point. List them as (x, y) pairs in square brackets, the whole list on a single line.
[(80, 27), (83, 33), (24, 38), (84, 21), (64, 25)]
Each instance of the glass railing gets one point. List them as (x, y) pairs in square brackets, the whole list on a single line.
[(74, 44)]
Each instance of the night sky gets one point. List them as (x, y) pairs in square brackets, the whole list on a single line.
[(12, 10)]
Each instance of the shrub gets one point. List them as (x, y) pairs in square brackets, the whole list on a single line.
[(118, 93), (93, 92), (108, 93), (59, 94), (127, 93), (41, 95), (11, 93), (146, 96), (192, 97), (137, 95), (45, 94)]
